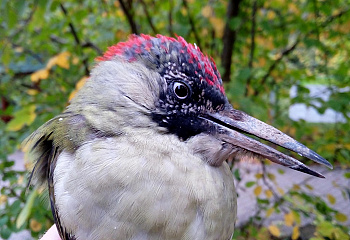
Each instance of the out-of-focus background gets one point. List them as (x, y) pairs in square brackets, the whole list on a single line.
[(285, 62)]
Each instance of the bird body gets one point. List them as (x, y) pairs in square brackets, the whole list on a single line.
[(140, 151), (140, 191)]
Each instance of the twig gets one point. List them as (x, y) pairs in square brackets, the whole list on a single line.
[(193, 27), (317, 15), (56, 39), (30, 52), (170, 17), (71, 26), (149, 18), (76, 38), (26, 21), (93, 46), (287, 51), (252, 35), (284, 53), (252, 47), (267, 182), (229, 39), (333, 17), (129, 17), (13, 192)]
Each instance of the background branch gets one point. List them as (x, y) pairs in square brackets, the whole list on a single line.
[(76, 38), (193, 27), (71, 26), (288, 50), (170, 18), (252, 46), (285, 52), (229, 39), (129, 16), (148, 16)]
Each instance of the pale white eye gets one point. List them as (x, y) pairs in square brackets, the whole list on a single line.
[(181, 90)]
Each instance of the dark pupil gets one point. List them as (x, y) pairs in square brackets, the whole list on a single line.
[(181, 90)]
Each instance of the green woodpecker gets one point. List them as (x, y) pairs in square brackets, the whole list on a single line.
[(140, 151)]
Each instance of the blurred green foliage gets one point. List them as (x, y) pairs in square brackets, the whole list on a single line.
[(48, 46)]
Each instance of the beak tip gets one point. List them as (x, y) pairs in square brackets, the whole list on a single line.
[(323, 161), (303, 168)]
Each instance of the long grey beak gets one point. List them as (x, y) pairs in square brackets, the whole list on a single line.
[(235, 123)]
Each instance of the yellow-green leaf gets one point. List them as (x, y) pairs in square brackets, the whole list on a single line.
[(331, 198), (308, 186), (25, 116), (280, 190), (258, 175), (274, 230), (295, 233), (268, 193), (271, 176), (207, 11), (339, 234), (32, 92), (325, 229), (35, 225), (59, 60), (3, 199), (40, 74), (257, 190), (25, 212), (270, 211), (62, 60), (263, 233), (341, 217), (271, 15), (218, 25), (289, 219), (297, 217)]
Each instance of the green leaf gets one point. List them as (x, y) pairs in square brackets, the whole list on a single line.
[(271, 176), (347, 175), (20, 7), (12, 17), (331, 199), (340, 234), (325, 229), (3, 220), (5, 233), (250, 184), (235, 23), (244, 74), (24, 214), (262, 201), (237, 174), (6, 53), (23, 117), (340, 217), (15, 207)]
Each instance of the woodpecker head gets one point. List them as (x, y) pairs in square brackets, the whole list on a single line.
[(168, 84)]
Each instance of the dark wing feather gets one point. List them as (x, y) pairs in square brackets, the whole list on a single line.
[(45, 152), (67, 132)]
